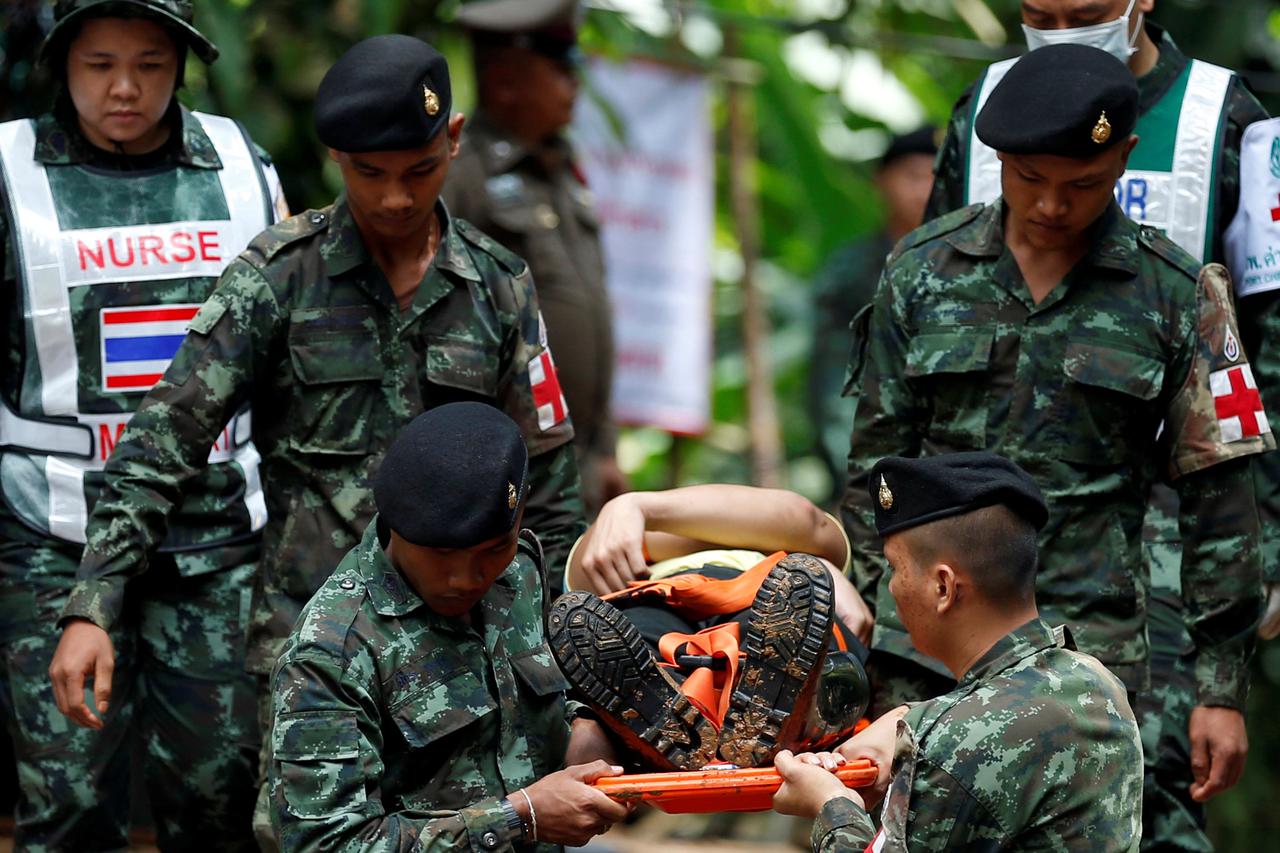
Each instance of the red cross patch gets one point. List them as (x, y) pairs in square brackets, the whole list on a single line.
[(1238, 404), (547, 396)]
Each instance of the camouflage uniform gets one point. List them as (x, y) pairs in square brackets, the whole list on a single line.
[(395, 728), (179, 675), (844, 287), (305, 327), (957, 356), (535, 203), (1165, 712), (1035, 749)]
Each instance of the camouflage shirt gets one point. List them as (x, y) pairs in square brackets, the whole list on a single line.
[(535, 203), (956, 355), (1036, 749), (395, 728), (305, 327)]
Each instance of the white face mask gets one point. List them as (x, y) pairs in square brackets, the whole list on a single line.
[(1111, 36)]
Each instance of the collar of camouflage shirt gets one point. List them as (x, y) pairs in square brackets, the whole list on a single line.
[(1028, 639), (1116, 247), (343, 250), (56, 145)]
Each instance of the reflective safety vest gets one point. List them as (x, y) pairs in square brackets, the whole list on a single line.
[(113, 266), (1171, 180)]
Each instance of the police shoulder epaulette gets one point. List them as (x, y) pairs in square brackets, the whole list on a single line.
[(1168, 251), (270, 242), (944, 224), (508, 259)]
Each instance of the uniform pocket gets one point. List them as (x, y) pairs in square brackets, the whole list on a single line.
[(949, 370), (467, 368), (318, 761), (1108, 411), (442, 708), (538, 671), (338, 371)]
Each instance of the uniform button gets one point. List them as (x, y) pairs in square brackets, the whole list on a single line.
[(348, 584), (317, 218), (501, 149), (546, 217), (489, 840)]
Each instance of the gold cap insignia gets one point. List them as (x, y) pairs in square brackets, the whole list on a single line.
[(430, 101), (886, 496), (1102, 130), (512, 497)]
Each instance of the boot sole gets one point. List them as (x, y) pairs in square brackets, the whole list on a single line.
[(785, 644), (604, 657)]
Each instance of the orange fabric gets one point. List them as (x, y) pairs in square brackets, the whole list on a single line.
[(696, 596), (709, 690)]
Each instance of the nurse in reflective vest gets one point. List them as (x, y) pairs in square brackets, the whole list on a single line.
[(120, 209), (1183, 177)]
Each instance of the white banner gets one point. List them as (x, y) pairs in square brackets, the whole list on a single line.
[(649, 162)]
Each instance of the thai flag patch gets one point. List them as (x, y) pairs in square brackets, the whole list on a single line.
[(1238, 404), (547, 396), (139, 342)]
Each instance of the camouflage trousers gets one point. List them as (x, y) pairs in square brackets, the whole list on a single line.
[(181, 700), (1171, 820)]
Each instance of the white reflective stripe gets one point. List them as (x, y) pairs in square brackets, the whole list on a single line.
[(1193, 156), (241, 183), (1253, 238), (36, 231), (68, 509), (982, 174), (43, 436)]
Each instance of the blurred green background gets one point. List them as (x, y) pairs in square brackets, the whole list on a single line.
[(836, 76)]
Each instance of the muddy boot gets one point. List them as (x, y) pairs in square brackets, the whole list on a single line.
[(604, 657), (787, 632)]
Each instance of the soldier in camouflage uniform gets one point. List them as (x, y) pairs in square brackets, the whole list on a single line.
[(846, 284), (1050, 327), (1174, 92), (416, 704), (1037, 747), (120, 210), (339, 325), (515, 179)]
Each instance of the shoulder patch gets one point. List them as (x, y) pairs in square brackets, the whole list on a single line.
[(1170, 252), (944, 224), (300, 226), (508, 259)]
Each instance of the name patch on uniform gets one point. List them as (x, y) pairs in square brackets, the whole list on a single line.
[(1238, 404), (145, 252), (139, 342)]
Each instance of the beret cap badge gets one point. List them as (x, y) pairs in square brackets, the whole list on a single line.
[(512, 497), (886, 494), (430, 101), (1102, 130)]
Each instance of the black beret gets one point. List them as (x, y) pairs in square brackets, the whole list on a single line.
[(909, 492), (454, 477), (387, 93), (1065, 99), (923, 140)]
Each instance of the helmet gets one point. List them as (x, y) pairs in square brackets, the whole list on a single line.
[(176, 14)]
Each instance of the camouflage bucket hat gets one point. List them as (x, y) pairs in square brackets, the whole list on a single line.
[(175, 13)]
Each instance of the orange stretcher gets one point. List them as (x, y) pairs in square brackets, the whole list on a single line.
[(717, 788)]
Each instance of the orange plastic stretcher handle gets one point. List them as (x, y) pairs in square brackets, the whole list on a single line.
[(748, 789)]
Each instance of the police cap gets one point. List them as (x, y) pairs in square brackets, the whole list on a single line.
[(909, 492), (454, 477), (176, 15), (1064, 99), (548, 27), (387, 93)]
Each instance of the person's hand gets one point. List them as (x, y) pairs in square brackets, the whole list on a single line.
[(850, 608), (1269, 628), (808, 783), (85, 650), (877, 742), (588, 741), (568, 810), (1219, 745), (610, 479), (613, 555)]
